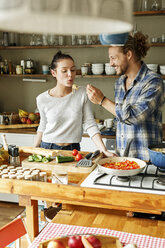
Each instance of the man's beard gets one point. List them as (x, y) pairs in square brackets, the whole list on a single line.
[(123, 70)]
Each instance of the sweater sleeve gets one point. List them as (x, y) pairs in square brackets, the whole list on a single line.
[(89, 122), (43, 121)]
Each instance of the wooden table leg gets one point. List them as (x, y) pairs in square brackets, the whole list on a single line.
[(32, 221)]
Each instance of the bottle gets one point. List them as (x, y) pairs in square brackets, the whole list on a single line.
[(5, 39), (144, 5), (6, 67)]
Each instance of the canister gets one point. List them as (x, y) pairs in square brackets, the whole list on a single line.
[(19, 70)]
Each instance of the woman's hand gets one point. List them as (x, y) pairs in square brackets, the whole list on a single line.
[(109, 154), (94, 94)]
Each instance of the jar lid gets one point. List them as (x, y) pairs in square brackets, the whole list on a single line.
[(60, 173), (14, 152), (5, 176)]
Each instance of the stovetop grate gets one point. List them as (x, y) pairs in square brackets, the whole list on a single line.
[(153, 179)]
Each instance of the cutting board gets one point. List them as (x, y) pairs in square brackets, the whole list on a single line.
[(68, 166), (18, 126), (106, 241)]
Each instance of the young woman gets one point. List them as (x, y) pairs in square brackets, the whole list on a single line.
[(65, 114)]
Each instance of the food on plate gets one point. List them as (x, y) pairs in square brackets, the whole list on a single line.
[(38, 150), (75, 242), (78, 157), (74, 152), (39, 158), (63, 159), (124, 165), (56, 244)]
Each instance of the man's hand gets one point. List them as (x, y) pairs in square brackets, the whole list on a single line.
[(94, 94)]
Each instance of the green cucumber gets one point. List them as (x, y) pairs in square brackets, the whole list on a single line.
[(38, 158), (30, 158), (63, 159)]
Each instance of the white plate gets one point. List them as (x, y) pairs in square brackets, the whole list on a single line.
[(123, 173)]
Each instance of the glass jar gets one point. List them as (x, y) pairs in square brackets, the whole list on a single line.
[(60, 177), (19, 70), (43, 176)]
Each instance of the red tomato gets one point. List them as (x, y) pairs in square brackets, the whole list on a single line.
[(78, 157), (75, 242), (74, 152), (95, 242)]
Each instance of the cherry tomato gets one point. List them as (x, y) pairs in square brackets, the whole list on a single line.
[(74, 152), (78, 157)]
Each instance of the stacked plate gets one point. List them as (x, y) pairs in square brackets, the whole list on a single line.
[(162, 69), (109, 70), (153, 67), (97, 69)]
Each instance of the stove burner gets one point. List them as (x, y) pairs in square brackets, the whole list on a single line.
[(122, 179), (161, 180)]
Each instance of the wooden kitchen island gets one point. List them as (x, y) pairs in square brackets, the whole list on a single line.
[(99, 199)]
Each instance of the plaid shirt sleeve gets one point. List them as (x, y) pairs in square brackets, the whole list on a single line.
[(141, 100)]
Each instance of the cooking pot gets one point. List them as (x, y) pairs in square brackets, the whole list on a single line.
[(123, 173), (157, 155)]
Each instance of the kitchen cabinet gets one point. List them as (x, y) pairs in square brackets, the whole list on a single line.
[(19, 139)]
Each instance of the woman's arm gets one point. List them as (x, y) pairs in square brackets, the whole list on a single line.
[(38, 139), (99, 143)]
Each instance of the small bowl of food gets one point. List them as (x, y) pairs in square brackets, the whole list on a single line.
[(157, 155)]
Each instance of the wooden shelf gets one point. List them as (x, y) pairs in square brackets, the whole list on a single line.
[(149, 13), (48, 75), (48, 47), (67, 46)]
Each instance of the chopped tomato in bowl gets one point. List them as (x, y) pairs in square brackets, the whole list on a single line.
[(121, 166)]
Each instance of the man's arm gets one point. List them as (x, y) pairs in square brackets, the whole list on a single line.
[(97, 97)]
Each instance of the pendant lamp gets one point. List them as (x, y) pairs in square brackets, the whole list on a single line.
[(66, 16)]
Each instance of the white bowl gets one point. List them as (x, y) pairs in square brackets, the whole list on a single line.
[(162, 71), (162, 67), (97, 65), (97, 71), (110, 70), (116, 172)]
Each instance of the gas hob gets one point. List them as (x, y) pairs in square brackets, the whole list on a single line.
[(151, 181)]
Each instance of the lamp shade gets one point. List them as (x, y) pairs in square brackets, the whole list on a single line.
[(66, 16), (114, 39)]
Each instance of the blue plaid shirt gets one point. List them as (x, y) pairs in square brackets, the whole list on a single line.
[(139, 113)]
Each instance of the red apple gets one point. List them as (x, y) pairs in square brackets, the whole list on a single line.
[(23, 120), (37, 115), (56, 244), (28, 121), (75, 242), (95, 242)]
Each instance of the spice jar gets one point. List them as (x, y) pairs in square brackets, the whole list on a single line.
[(43, 176), (19, 70)]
